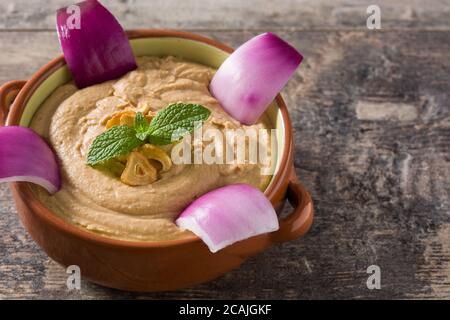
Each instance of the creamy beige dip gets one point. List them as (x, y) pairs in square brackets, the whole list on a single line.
[(89, 198)]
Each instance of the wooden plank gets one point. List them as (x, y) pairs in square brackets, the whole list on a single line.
[(379, 179), (237, 14)]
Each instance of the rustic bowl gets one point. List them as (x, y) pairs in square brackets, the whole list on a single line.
[(150, 266)]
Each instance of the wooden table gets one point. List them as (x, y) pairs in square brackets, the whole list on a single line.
[(371, 112)]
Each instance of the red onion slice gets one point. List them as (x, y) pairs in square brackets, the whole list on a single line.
[(95, 46), (229, 214), (25, 156), (251, 77)]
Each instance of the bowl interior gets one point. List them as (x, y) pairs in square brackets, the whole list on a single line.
[(191, 50)]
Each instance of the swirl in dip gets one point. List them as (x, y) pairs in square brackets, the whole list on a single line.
[(70, 119)]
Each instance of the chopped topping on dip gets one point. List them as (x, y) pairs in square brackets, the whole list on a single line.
[(128, 130), (139, 171)]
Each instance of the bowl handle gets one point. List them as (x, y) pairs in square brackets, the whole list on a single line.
[(300, 220), (8, 93)]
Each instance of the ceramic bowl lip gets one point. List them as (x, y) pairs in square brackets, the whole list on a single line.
[(38, 208)]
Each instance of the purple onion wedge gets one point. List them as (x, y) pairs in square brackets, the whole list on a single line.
[(251, 77), (95, 46), (25, 156), (229, 214)]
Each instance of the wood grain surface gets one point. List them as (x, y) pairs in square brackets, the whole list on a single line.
[(371, 113)]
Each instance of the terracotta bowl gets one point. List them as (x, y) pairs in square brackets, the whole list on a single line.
[(150, 266)]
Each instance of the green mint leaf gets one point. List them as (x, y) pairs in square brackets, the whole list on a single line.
[(141, 126), (119, 140), (175, 121)]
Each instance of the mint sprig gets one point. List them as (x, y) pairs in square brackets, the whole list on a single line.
[(168, 126)]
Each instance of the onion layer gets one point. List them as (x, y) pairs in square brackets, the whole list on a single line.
[(229, 214), (251, 77), (25, 156), (95, 46)]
